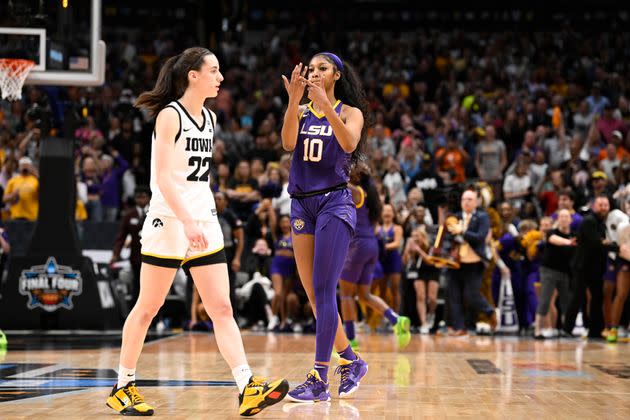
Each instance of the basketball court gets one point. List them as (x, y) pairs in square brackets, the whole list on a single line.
[(184, 376)]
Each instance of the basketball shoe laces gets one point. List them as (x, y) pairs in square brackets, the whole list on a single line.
[(344, 370), (258, 381), (310, 380), (134, 395)]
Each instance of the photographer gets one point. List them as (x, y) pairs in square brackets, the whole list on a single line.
[(29, 144), (259, 238), (22, 193)]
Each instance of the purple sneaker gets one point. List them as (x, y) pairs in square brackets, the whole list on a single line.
[(351, 373), (311, 391)]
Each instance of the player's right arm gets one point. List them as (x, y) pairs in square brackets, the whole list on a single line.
[(166, 130), (295, 89)]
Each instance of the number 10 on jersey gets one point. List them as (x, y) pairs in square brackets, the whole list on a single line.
[(313, 149)]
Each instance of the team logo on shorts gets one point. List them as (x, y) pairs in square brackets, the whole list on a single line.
[(298, 224), (157, 223)]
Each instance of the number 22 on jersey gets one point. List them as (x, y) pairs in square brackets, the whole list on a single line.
[(313, 149)]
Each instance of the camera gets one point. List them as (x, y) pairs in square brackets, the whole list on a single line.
[(41, 118)]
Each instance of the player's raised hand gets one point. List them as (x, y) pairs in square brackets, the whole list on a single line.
[(295, 87), (316, 92)]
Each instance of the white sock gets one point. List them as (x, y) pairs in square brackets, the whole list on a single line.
[(242, 374), (125, 376)]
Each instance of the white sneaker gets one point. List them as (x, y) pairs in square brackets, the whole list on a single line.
[(273, 323), (424, 330), (430, 320), (547, 332)]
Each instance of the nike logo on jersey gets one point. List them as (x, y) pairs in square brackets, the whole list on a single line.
[(326, 195), (317, 130), (188, 129)]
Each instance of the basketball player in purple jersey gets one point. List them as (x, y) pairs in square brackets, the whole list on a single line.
[(325, 136), (282, 271), (358, 270)]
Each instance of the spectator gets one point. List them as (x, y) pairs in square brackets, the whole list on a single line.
[(555, 268), (243, 190), (430, 183), (597, 102), (517, 187), (259, 239), (395, 183), (22, 192), (91, 177), (423, 275), (451, 161), (588, 266), (607, 123), (378, 140), (282, 203), (233, 240), (617, 145), (582, 119), (113, 167), (566, 201), (9, 170), (408, 158), (610, 161), (491, 160), (129, 236)]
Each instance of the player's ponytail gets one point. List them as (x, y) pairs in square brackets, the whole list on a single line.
[(172, 80), (372, 199), (350, 90)]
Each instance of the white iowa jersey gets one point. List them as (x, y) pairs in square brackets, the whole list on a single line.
[(616, 221), (192, 157)]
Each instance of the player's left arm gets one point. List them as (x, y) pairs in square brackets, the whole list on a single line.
[(347, 126)]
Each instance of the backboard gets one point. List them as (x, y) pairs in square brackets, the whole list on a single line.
[(63, 37)]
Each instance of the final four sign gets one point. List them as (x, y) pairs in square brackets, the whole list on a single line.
[(50, 286)]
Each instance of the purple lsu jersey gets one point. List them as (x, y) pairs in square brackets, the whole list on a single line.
[(364, 227), (318, 162), (284, 243)]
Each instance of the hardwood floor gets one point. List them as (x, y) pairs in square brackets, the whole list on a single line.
[(185, 377)]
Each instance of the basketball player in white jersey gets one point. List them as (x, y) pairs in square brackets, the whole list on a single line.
[(181, 228), (616, 275)]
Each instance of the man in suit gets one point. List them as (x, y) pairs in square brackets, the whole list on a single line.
[(131, 225), (588, 265), (465, 282)]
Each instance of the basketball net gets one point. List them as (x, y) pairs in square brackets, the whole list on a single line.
[(13, 73)]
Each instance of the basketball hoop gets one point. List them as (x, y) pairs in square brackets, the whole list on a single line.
[(13, 73)]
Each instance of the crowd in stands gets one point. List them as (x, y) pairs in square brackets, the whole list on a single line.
[(538, 121)]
